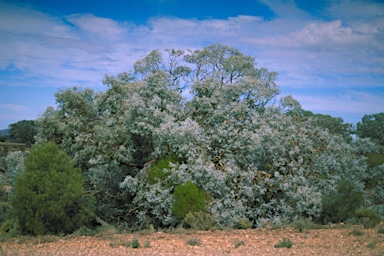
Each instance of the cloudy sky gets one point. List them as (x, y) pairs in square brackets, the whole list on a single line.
[(329, 54)]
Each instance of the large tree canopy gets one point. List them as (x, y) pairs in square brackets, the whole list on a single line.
[(23, 131), (372, 126), (218, 117)]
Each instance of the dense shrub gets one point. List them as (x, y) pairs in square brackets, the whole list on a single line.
[(49, 196), (368, 217), (341, 204), (187, 198), (199, 220)]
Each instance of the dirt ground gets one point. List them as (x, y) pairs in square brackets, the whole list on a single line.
[(338, 240)]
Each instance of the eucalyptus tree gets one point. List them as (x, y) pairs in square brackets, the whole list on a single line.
[(232, 138)]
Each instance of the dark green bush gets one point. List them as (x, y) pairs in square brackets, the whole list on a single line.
[(368, 217), (187, 198), (340, 205), (49, 196)]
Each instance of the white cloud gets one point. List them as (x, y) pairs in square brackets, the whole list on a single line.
[(349, 102), (14, 108), (346, 50)]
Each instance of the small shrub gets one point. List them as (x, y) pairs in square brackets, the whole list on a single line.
[(244, 223), (199, 220), (49, 195), (380, 231), (187, 198), (368, 217), (340, 205), (285, 243), (135, 243), (84, 231), (194, 241)]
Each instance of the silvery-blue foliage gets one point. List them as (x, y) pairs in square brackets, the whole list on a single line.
[(231, 138), (14, 165)]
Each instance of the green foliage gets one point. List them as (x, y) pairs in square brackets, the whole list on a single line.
[(199, 220), (368, 217), (187, 198), (85, 231), (372, 245), (372, 126), (135, 243), (23, 131), (335, 125), (160, 170), (340, 205), (285, 243), (375, 160), (49, 196), (244, 223)]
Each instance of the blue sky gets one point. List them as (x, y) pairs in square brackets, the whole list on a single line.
[(329, 54)]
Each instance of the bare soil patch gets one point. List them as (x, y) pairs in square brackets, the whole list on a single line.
[(337, 240)]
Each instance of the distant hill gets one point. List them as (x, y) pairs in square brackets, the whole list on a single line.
[(4, 132)]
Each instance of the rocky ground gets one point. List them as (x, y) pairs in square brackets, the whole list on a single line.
[(336, 240)]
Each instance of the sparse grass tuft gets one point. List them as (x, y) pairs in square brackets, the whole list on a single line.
[(285, 243), (304, 224), (84, 231), (147, 244), (106, 232), (194, 241), (372, 245), (239, 243), (357, 232)]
